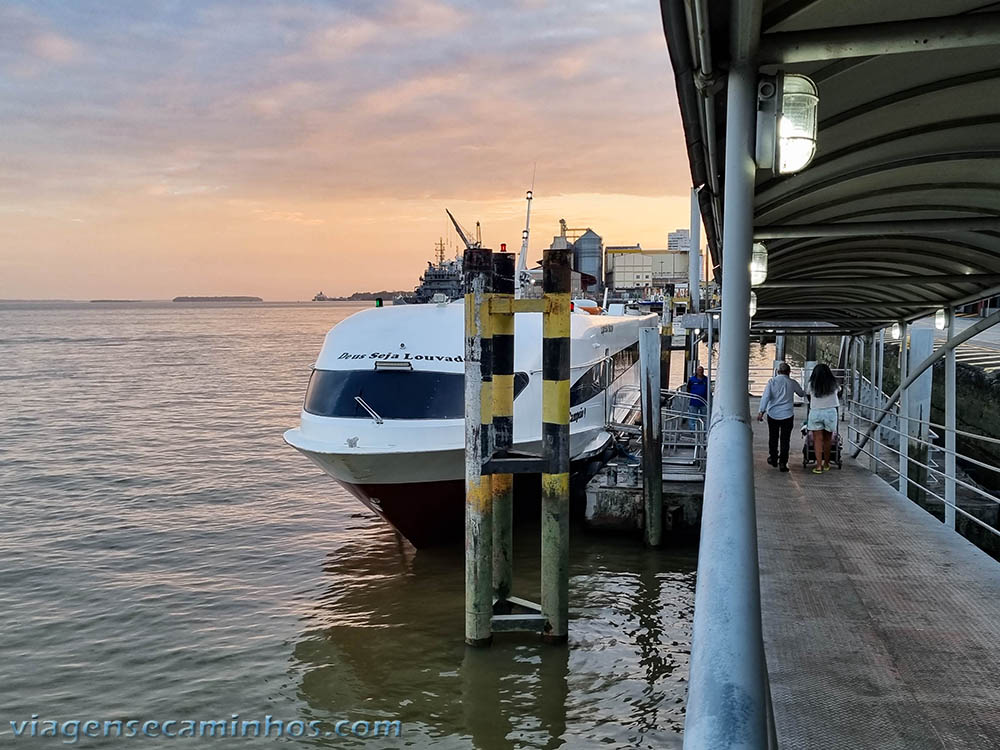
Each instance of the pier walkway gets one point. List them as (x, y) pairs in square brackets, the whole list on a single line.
[(880, 624)]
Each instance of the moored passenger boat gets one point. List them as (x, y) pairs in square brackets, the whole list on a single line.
[(384, 410)]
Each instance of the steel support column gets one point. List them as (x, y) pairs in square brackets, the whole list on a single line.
[(872, 392), (881, 403), (904, 410), (950, 406), (694, 256), (727, 705)]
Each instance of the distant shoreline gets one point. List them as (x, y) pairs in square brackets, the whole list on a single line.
[(218, 299), (363, 296)]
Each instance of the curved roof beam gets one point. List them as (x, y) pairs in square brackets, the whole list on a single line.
[(941, 126), (906, 208), (924, 89), (878, 228), (904, 258), (810, 188), (918, 187), (886, 293)]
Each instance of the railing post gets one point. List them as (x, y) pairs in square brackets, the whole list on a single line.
[(854, 372), (872, 395), (880, 435), (478, 444), (502, 325), (556, 281), (904, 412), (950, 407), (652, 437)]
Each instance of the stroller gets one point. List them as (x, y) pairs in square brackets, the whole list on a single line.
[(809, 450)]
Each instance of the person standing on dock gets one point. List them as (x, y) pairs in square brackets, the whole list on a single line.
[(824, 406), (698, 398), (778, 402)]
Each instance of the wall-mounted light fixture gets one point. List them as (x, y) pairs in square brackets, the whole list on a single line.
[(753, 304), (787, 120), (895, 331), (758, 264), (940, 319)]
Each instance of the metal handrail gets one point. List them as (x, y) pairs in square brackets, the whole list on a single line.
[(977, 490), (952, 505), (930, 466), (956, 454)]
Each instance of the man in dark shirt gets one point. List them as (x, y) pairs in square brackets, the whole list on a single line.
[(697, 386)]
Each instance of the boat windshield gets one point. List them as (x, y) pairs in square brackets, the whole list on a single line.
[(392, 394)]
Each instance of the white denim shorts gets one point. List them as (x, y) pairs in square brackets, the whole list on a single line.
[(823, 419)]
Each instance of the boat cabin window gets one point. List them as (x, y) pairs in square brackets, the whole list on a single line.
[(601, 375), (392, 394), (590, 384), (623, 361)]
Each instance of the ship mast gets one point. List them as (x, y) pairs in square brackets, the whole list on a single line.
[(523, 277), (439, 247)]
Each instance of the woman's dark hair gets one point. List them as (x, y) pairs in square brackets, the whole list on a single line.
[(822, 382)]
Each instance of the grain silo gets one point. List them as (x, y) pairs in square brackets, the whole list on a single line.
[(588, 255)]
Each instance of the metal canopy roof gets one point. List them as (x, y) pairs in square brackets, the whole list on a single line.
[(899, 212)]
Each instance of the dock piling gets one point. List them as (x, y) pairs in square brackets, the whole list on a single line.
[(652, 436), (666, 339), (503, 430), (478, 443), (556, 281)]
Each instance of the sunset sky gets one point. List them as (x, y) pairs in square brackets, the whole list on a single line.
[(279, 148)]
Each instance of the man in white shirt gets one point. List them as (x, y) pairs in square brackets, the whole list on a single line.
[(778, 402)]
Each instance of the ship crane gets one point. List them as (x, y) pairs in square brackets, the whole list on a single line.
[(469, 244)]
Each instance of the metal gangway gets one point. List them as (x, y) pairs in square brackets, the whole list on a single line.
[(684, 433)]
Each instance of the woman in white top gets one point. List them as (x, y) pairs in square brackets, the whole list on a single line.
[(823, 414)]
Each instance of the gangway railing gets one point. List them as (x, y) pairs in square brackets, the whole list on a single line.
[(685, 433), (896, 437), (869, 398)]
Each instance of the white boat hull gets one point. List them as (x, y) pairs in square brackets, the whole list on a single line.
[(411, 470)]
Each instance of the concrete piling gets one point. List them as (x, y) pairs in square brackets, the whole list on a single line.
[(502, 325), (555, 444), (478, 443), (652, 436)]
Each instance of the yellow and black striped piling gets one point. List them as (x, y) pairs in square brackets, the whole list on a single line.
[(556, 281), (502, 326), (478, 274)]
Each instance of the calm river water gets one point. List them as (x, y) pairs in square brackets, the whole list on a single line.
[(164, 556)]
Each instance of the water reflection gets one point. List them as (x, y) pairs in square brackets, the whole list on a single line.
[(384, 640)]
